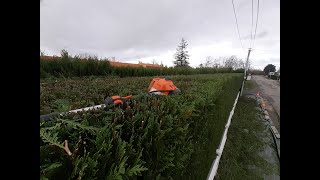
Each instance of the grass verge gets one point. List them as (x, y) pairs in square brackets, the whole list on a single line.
[(248, 153)]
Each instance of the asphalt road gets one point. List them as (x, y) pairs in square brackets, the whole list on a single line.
[(270, 90)]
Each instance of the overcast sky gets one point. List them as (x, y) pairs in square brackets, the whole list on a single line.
[(143, 30)]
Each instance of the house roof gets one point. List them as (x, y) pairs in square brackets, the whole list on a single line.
[(113, 63), (122, 64), (49, 57)]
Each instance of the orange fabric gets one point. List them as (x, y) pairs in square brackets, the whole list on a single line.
[(119, 101), (161, 84)]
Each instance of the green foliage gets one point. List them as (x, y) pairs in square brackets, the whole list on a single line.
[(181, 55), (79, 66), (52, 139), (256, 72), (68, 66), (274, 77), (156, 137), (269, 68)]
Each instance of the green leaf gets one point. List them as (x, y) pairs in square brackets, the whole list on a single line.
[(136, 170), (51, 167), (51, 138)]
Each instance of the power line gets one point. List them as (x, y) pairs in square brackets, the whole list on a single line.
[(235, 15), (251, 22), (255, 31)]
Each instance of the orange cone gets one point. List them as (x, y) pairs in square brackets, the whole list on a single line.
[(263, 104)]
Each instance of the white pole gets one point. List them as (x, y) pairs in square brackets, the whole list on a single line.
[(87, 108), (215, 164), (245, 71)]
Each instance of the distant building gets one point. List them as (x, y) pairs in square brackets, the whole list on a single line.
[(140, 64), (113, 62), (49, 58)]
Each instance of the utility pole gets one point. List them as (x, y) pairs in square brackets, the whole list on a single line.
[(245, 71)]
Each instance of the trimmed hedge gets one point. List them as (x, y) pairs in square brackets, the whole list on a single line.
[(156, 137), (92, 66)]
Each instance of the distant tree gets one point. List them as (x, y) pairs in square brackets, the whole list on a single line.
[(231, 62), (241, 64), (201, 65), (154, 61), (181, 55), (208, 61), (269, 68), (216, 63), (64, 53), (42, 53)]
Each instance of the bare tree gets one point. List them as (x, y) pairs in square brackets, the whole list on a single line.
[(230, 62), (154, 61), (216, 63), (241, 64), (234, 63), (208, 61)]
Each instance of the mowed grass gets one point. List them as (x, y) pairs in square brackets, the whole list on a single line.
[(250, 84), (248, 137)]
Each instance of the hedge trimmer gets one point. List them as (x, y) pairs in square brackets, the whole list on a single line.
[(158, 86)]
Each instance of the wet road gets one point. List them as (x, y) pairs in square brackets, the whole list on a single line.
[(270, 90)]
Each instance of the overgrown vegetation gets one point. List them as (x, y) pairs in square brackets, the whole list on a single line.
[(156, 137)]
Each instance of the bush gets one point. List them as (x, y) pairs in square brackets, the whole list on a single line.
[(155, 137), (77, 66), (274, 77), (69, 67), (256, 72)]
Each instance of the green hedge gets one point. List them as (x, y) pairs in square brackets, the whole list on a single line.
[(274, 77), (68, 67), (256, 72), (75, 66), (157, 137)]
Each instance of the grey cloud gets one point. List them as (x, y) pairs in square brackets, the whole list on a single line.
[(259, 35), (143, 28)]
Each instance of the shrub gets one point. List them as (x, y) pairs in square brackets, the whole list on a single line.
[(155, 137)]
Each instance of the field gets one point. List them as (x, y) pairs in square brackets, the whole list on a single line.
[(154, 138)]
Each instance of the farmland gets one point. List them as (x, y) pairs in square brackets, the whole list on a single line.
[(154, 138)]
